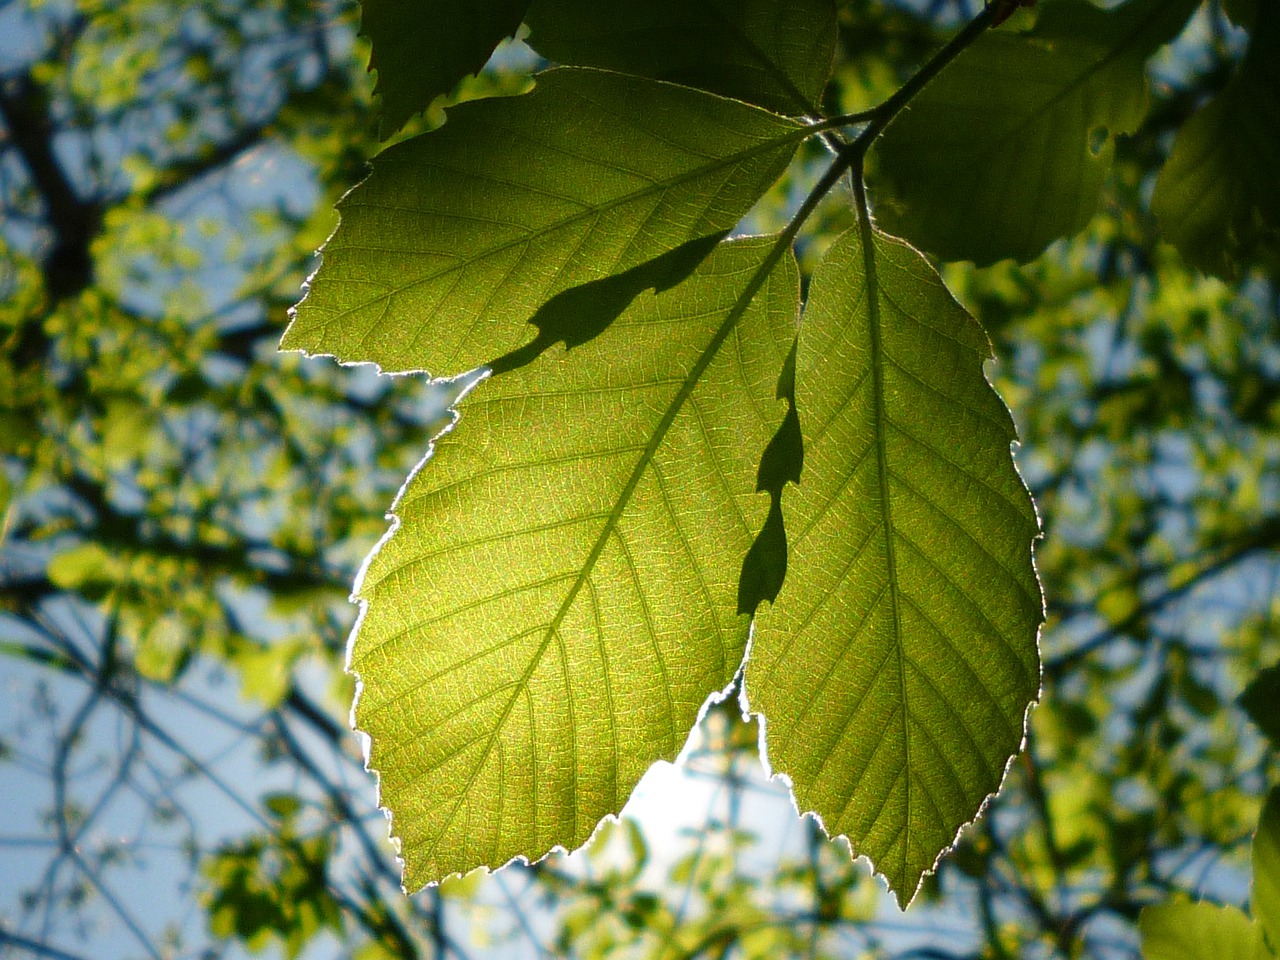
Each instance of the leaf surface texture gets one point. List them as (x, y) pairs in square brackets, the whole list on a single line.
[(895, 669), (460, 235), (559, 596)]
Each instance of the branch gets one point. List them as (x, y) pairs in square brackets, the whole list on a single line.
[(210, 160), (1263, 540), (75, 221), (35, 947)]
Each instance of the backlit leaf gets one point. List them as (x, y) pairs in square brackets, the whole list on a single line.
[(1008, 148), (445, 253), (896, 667), (559, 595), (1198, 931), (775, 53)]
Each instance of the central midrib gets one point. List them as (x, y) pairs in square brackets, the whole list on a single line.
[(615, 514), (867, 236)]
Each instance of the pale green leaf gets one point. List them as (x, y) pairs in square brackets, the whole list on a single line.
[(1218, 197), (1265, 896), (1009, 147), (774, 53), (445, 253), (422, 49), (558, 597), (896, 666), (88, 566), (1198, 931)]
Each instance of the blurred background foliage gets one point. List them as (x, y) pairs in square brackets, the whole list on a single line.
[(184, 510)]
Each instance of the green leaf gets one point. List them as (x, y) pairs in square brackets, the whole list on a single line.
[(1009, 147), (767, 52), (1265, 896), (1261, 700), (422, 49), (1218, 197), (445, 253), (89, 569), (282, 806), (558, 596), (897, 665), (1198, 931)]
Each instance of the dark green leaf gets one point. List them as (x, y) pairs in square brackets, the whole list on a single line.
[(422, 49), (775, 53), (1261, 700), (1218, 197), (1008, 148)]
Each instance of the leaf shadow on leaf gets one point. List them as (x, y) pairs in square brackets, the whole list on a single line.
[(765, 565), (580, 314)]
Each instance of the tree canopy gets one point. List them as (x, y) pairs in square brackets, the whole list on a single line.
[(736, 273)]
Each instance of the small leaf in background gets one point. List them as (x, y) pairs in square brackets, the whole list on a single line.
[(162, 646), (1261, 700), (421, 50), (1198, 931), (1008, 148), (282, 806), (460, 235), (266, 669), (1265, 894), (88, 569), (1218, 196), (896, 667), (774, 54), (558, 597), (460, 887), (271, 892)]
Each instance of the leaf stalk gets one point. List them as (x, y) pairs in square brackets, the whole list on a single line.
[(850, 156)]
